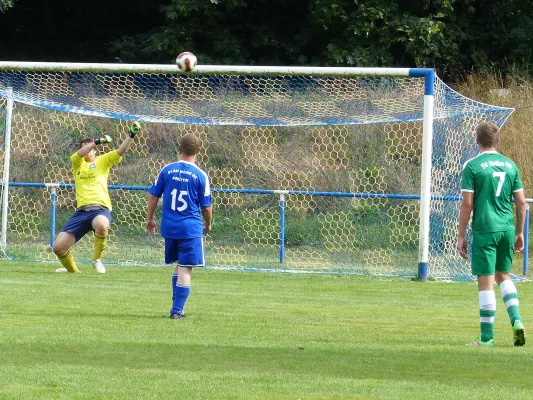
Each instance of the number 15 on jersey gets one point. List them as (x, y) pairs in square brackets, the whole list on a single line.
[(179, 199)]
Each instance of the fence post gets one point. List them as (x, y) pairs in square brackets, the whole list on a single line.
[(6, 176), (282, 194), (526, 240), (53, 198)]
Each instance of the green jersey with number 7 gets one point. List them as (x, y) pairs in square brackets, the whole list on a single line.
[(495, 179)]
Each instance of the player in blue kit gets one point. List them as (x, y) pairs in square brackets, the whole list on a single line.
[(186, 199)]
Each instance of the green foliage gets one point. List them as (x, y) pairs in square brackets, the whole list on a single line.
[(366, 227), (6, 4), (367, 214), (450, 35), (229, 227), (302, 229)]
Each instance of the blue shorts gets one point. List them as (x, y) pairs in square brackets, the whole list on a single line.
[(81, 222), (186, 252)]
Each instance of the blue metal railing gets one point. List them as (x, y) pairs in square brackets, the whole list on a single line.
[(282, 203)]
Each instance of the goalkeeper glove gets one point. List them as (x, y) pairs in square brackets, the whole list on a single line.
[(103, 140), (134, 129)]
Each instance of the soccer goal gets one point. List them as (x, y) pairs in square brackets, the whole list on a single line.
[(350, 170)]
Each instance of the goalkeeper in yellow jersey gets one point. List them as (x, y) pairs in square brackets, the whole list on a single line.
[(93, 209)]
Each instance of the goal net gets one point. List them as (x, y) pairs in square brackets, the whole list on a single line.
[(312, 169)]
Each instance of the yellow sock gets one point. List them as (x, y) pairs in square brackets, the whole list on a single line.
[(99, 246), (67, 260)]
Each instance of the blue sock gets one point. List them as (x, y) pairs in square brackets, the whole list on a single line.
[(174, 282), (182, 293)]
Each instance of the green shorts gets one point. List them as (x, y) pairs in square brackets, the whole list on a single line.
[(492, 252)]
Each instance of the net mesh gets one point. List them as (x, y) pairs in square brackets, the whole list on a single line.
[(344, 152)]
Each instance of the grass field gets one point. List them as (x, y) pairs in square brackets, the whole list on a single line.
[(250, 336)]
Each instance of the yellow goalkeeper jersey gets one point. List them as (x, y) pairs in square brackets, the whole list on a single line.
[(91, 178)]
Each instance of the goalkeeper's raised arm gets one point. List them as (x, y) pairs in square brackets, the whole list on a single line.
[(87, 146), (134, 129)]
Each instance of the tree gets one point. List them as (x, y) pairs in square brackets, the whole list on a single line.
[(71, 31), (316, 32), (224, 31), (450, 35), (6, 4)]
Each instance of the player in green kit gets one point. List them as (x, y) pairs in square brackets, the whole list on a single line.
[(93, 209), (489, 183)]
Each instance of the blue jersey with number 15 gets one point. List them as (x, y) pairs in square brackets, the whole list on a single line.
[(185, 189)]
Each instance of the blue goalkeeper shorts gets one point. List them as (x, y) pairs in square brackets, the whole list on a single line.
[(186, 252), (81, 222)]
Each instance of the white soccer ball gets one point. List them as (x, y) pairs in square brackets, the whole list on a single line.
[(186, 61)]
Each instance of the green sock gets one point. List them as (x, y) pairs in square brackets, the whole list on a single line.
[(487, 311), (510, 298)]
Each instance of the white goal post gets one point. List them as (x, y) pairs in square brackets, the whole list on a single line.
[(314, 169)]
